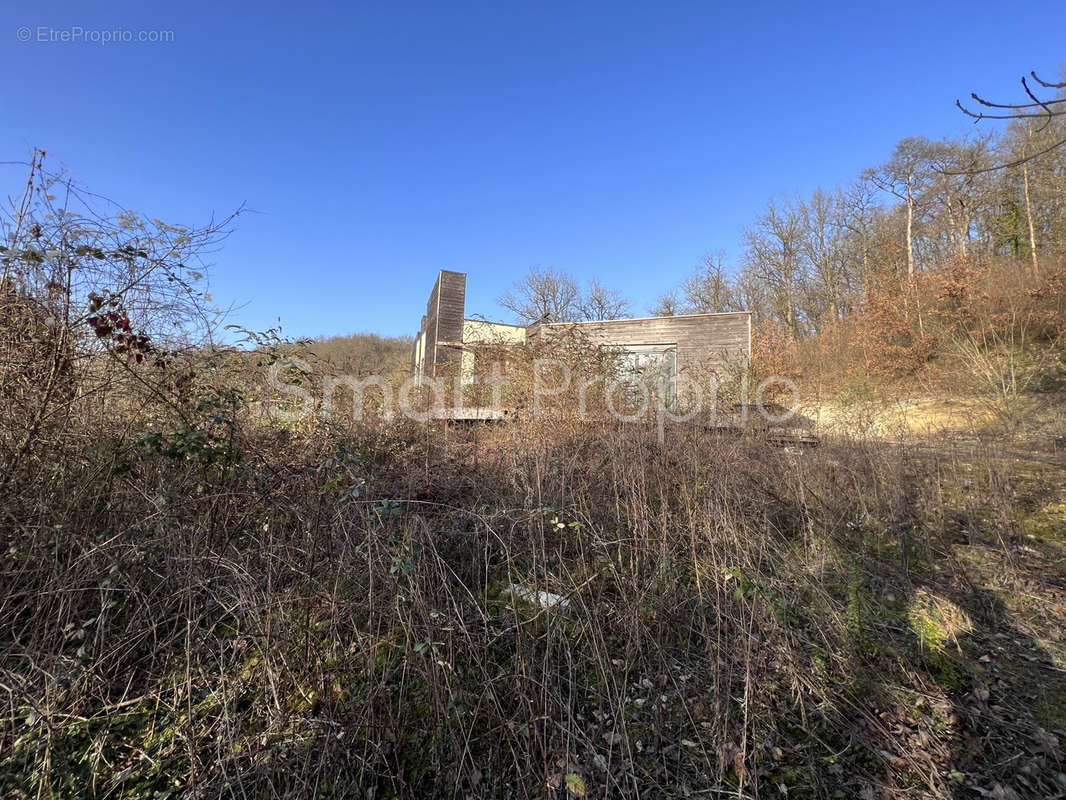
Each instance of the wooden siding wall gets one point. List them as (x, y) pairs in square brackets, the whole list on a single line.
[(430, 330), (444, 319), (702, 341)]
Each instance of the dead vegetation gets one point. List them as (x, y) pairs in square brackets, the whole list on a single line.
[(200, 602), (327, 613)]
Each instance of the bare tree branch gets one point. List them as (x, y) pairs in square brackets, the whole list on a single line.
[(1047, 85), (1046, 109)]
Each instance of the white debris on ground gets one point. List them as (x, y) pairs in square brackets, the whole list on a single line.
[(537, 597)]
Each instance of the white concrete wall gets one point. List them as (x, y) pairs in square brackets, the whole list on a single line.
[(480, 331)]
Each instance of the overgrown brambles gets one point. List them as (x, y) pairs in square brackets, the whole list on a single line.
[(333, 615), (111, 324)]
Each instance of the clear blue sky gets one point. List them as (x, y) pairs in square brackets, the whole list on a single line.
[(380, 142)]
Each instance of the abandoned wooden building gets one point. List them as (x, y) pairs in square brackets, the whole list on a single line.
[(447, 341)]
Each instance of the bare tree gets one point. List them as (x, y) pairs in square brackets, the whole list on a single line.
[(599, 302), (1038, 185), (775, 257), (861, 217), (954, 194), (823, 246), (708, 290), (668, 304), (904, 176), (544, 294), (752, 294), (1028, 199)]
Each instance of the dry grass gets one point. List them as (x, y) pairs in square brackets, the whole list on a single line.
[(325, 613)]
